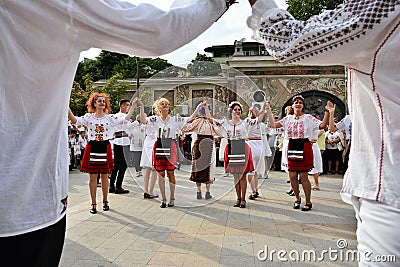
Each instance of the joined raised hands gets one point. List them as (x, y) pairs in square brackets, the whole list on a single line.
[(330, 106)]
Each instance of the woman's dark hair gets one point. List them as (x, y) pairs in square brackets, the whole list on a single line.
[(233, 104)]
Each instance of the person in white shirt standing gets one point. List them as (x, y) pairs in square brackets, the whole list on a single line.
[(332, 150), (39, 52), (121, 150), (137, 133), (82, 140), (364, 36)]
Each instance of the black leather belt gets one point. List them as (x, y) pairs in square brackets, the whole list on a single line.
[(120, 134)]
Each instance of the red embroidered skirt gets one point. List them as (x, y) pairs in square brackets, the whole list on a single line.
[(303, 163), (97, 157), (165, 155), (239, 161)]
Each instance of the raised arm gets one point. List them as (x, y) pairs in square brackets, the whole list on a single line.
[(132, 109), (208, 114), (71, 116), (143, 30), (141, 108), (271, 119), (329, 106), (196, 111), (331, 112), (261, 113)]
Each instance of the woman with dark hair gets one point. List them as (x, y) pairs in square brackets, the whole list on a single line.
[(299, 129), (98, 152), (237, 156)]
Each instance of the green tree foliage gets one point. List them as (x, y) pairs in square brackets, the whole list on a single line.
[(203, 65), (78, 99), (304, 9), (108, 64), (115, 89), (79, 96), (112, 67)]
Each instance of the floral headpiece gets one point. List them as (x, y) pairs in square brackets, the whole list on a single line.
[(297, 97), (235, 103)]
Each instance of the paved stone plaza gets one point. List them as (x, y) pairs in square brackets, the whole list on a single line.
[(137, 232)]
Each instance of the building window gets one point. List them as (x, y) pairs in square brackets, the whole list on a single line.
[(248, 53)]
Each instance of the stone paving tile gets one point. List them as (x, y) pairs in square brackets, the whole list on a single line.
[(176, 236), (213, 228), (117, 242), (207, 250), (168, 259), (237, 245), (247, 261), (93, 263), (108, 254), (134, 257), (175, 247), (195, 260), (141, 243), (215, 240), (156, 236), (187, 229), (230, 231)]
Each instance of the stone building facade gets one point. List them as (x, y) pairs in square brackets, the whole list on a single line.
[(248, 74)]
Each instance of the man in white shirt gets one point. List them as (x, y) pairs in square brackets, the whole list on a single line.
[(364, 36), (40, 45), (121, 150)]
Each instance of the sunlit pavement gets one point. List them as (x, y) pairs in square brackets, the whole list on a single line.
[(137, 232)]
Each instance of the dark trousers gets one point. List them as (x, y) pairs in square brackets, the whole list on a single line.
[(120, 166), (277, 160), (40, 248), (346, 159)]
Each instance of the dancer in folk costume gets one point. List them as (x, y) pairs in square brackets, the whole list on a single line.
[(146, 161), (203, 149), (165, 153), (317, 158), (259, 150), (137, 134), (299, 129), (238, 159), (98, 152)]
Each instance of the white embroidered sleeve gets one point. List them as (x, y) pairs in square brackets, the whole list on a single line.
[(143, 30), (353, 28)]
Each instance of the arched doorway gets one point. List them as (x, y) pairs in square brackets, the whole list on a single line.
[(315, 102)]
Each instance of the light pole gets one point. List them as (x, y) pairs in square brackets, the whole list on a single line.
[(137, 77)]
